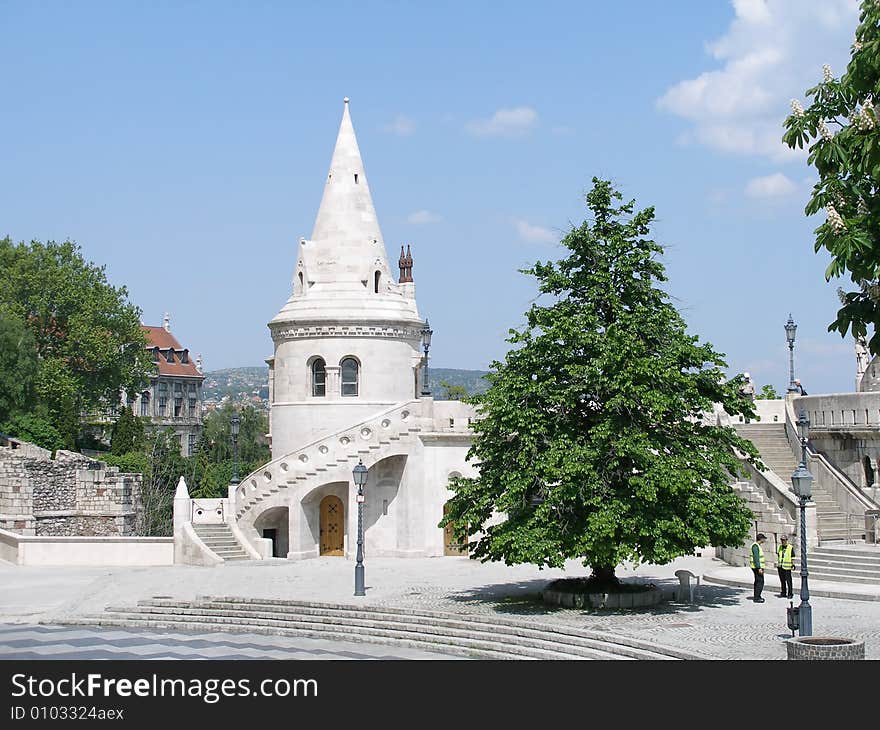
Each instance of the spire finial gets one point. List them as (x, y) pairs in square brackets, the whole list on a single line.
[(345, 100)]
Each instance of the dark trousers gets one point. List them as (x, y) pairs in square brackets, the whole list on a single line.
[(759, 583), (785, 582)]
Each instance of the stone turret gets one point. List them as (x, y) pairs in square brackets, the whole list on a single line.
[(347, 339)]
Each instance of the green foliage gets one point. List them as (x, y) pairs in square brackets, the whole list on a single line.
[(767, 392), (453, 392), (210, 469), (128, 432), (590, 440), (34, 429), (18, 366), (841, 128), (87, 336)]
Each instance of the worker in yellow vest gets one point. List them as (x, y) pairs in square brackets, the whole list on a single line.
[(784, 564), (756, 563)]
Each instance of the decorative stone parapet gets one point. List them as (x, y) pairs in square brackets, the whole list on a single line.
[(824, 647)]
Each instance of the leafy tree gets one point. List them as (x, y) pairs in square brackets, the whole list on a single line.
[(18, 366), (211, 468), (841, 128), (767, 392), (34, 429), (160, 463), (591, 442), (453, 392), (128, 432), (87, 335)]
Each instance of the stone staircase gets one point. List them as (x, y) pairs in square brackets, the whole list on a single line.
[(776, 453), (220, 539), (483, 637), (330, 458), (844, 563)]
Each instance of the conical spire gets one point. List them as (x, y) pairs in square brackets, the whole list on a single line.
[(346, 237), (342, 272)]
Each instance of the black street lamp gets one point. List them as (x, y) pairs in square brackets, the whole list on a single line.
[(802, 481), (790, 329), (359, 474), (236, 424), (426, 344)]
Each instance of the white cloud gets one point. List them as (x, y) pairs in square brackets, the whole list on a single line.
[(534, 234), (505, 123), (770, 186), (423, 216), (772, 51), (402, 126)]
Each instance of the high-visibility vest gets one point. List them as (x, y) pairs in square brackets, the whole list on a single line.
[(785, 553), (760, 556)]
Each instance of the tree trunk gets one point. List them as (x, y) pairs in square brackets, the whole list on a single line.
[(604, 575)]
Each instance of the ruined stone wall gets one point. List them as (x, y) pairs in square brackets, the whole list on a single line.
[(65, 496)]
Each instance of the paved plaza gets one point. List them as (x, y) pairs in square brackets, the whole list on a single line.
[(723, 623)]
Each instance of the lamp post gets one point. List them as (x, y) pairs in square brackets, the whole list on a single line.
[(802, 481), (426, 344), (790, 329), (359, 474), (236, 424)]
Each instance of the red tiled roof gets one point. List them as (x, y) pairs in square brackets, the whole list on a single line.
[(159, 337)]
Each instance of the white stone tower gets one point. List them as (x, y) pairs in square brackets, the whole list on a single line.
[(347, 342)]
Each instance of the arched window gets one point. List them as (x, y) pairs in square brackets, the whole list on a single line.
[(145, 403), (301, 284), (376, 281), (319, 378), (349, 376)]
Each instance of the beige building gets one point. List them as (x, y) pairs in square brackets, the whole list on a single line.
[(174, 396)]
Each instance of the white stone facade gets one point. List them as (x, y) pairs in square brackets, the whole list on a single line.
[(345, 386)]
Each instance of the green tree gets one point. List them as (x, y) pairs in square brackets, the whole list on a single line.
[(453, 392), (591, 442), (211, 467), (18, 366), (87, 335), (767, 392), (34, 429), (840, 127), (128, 433)]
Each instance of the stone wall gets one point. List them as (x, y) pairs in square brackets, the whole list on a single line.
[(67, 495)]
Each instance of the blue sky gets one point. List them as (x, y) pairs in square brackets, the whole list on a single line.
[(184, 146)]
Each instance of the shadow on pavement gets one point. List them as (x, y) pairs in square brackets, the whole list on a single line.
[(524, 598)]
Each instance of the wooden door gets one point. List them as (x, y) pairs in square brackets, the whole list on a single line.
[(451, 545), (331, 526)]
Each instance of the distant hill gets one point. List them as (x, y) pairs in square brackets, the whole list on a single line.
[(245, 383), (471, 380)]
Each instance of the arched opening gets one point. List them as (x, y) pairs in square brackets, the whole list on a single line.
[(319, 378), (301, 280), (350, 375), (376, 277), (869, 472), (273, 525)]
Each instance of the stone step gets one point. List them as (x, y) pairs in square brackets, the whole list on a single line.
[(837, 577), (823, 566), (388, 622), (477, 646), (851, 551)]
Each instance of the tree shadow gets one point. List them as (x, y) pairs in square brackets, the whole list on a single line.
[(523, 598)]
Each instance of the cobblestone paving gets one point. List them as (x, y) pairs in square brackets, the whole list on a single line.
[(723, 624)]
